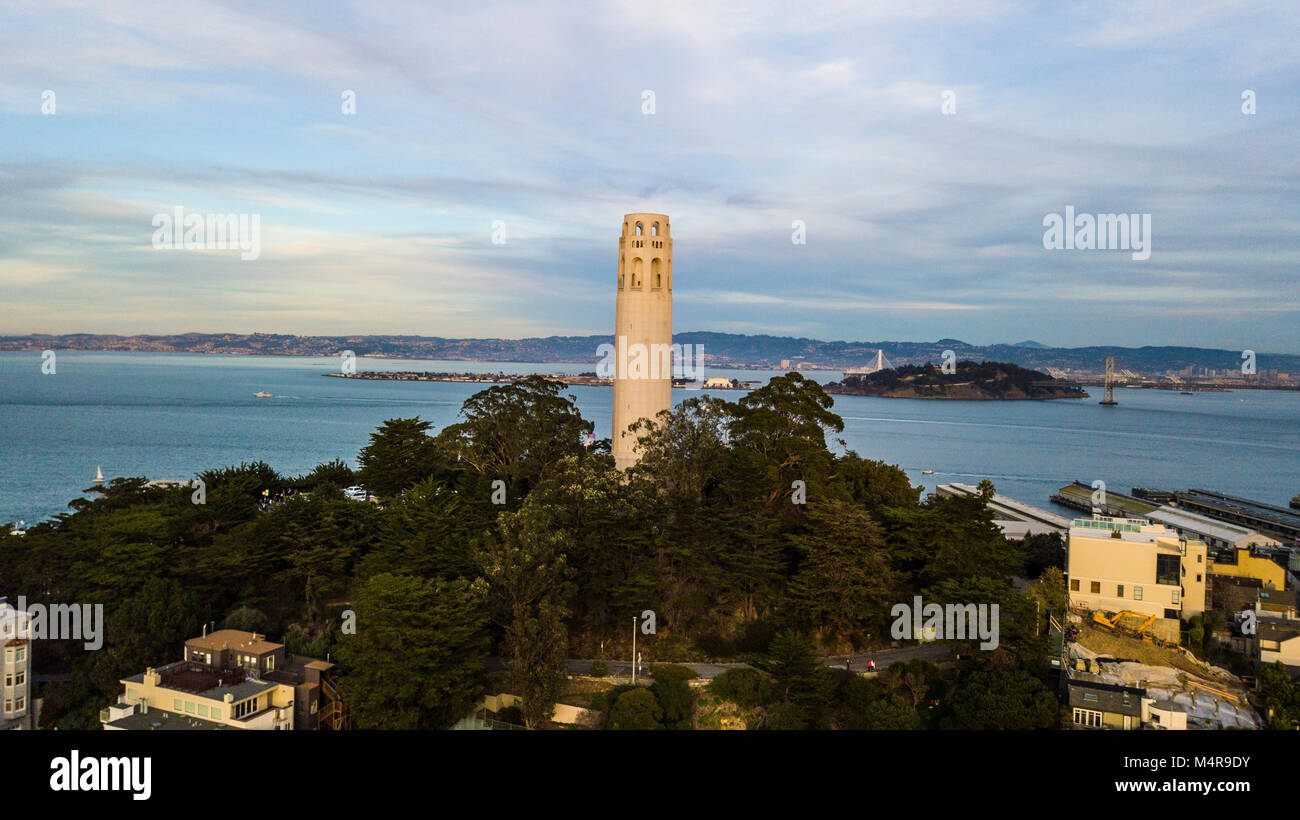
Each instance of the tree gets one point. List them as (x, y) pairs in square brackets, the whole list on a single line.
[(636, 710), (1280, 693), (844, 583), (677, 701), (780, 429), (416, 659), (246, 619), (1000, 699), (1043, 551), (525, 569), (400, 454), (425, 532), (891, 713), (516, 432), (799, 678), (875, 484), (144, 630), (336, 473), (742, 686)]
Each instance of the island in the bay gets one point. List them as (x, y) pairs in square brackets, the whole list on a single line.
[(969, 380)]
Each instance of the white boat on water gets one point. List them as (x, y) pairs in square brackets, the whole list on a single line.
[(99, 475), (927, 472)]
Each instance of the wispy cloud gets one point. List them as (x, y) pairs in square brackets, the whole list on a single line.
[(530, 114)]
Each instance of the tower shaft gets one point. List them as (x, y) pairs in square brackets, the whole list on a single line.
[(643, 329)]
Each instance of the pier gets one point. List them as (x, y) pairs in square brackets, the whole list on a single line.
[(1078, 496), (1279, 522), (1006, 509)]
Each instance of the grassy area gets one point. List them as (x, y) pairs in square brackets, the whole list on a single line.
[(715, 713)]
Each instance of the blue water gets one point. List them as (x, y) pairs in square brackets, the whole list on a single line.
[(173, 415)]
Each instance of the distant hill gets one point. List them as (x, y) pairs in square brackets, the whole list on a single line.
[(971, 380), (721, 349), (1030, 343)]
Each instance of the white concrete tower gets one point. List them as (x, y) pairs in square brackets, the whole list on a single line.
[(643, 328)]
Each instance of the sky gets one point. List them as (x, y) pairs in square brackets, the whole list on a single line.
[(921, 145)]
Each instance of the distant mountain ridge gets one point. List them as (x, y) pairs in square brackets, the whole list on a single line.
[(721, 349)]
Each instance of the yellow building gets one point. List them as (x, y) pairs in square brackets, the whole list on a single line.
[(1279, 641), (1248, 565), (1116, 564), (229, 679)]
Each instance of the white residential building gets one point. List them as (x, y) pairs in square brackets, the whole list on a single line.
[(15, 668)]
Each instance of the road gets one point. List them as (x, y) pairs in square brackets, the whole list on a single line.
[(708, 671)]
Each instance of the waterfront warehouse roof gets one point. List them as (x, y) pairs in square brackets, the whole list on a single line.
[(1202, 525), (1279, 517)]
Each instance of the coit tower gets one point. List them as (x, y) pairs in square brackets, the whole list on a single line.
[(643, 328)]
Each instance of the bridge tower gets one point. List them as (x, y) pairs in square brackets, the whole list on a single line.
[(1109, 399)]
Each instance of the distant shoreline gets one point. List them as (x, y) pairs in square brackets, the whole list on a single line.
[(569, 379)]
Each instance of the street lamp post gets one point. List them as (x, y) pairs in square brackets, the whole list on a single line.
[(634, 650)]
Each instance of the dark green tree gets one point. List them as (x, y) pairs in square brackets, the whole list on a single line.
[(400, 453), (636, 710), (844, 585), (1000, 699), (528, 577), (417, 657), (515, 433)]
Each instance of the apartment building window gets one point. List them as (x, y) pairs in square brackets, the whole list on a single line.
[(178, 705), (1175, 598), (1201, 558), (1087, 717), (20, 678), (1119, 590), (216, 713), (1137, 593), (9, 680), (1074, 584), (20, 653), (9, 705), (19, 704), (1198, 577), (1096, 587), (1167, 569)]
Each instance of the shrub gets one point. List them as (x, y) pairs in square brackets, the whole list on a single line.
[(744, 687), (636, 710), (670, 671), (599, 669), (676, 700), (787, 716)]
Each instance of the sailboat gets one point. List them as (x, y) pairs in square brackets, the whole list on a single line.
[(99, 475)]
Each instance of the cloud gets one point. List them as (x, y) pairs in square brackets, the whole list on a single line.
[(530, 113)]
